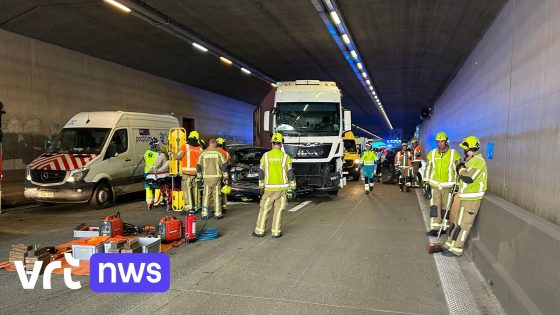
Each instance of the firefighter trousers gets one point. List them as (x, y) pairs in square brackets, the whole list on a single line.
[(211, 190), (461, 224), (269, 200), (441, 199), (415, 167), (190, 192)]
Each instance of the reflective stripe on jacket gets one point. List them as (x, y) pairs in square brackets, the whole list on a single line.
[(475, 170), (276, 171), (212, 164), (189, 159), (440, 172), (368, 158)]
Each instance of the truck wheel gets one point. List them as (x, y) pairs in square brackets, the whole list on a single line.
[(101, 197), (356, 176), (333, 192)]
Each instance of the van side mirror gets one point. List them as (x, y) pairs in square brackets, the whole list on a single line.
[(266, 121), (347, 120), (111, 151)]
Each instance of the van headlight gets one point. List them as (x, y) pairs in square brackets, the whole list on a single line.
[(28, 174), (77, 175)]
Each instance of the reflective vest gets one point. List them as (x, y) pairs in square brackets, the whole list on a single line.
[(275, 165), (369, 158), (225, 154), (440, 172), (475, 190), (150, 157), (417, 154), (212, 164), (190, 159), (402, 159)]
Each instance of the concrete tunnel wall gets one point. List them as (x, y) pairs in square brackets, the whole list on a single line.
[(43, 85), (508, 93)]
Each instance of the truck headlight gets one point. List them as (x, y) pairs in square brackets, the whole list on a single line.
[(77, 175), (28, 174), (357, 161)]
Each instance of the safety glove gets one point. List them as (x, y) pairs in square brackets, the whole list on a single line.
[(460, 166)]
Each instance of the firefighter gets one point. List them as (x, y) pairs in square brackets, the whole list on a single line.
[(472, 185), (278, 181), (416, 162), (188, 154), (369, 159), (153, 193), (212, 170), (440, 174), (403, 163), (225, 153)]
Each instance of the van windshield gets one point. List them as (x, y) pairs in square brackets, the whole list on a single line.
[(79, 140)]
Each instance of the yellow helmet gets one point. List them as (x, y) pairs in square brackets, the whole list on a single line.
[(441, 136), (226, 190), (220, 141), (277, 138), (469, 143), (194, 134), (414, 141)]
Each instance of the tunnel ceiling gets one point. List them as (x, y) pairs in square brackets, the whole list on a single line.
[(412, 49)]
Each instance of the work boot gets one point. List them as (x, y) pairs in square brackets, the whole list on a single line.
[(367, 192), (219, 217), (371, 187), (255, 234), (448, 253), (277, 236)]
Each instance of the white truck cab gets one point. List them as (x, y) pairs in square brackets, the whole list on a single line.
[(309, 114), (96, 157)]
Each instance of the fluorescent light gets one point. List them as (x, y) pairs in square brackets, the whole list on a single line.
[(368, 82), (335, 18), (371, 87), (245, 71), (345, 38), (353, 54), (305, 108), (273, 85), (225, 60), (364, 75), (200, 47), (374, 94), (120, 6), (359, 65)]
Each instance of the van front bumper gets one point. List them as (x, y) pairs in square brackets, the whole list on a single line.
[(63, 193)]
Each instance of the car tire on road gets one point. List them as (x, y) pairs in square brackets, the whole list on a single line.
[(101, 197)]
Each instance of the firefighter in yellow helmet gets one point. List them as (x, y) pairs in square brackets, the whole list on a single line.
[(188, 154), (473, 178), (277, 179), (212, 169), (222, 148), (441, 175)]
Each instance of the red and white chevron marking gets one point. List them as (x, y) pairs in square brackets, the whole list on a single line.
[(60, 162)]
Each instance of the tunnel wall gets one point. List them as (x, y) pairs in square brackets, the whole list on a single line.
[(508, 93), (43, 85)]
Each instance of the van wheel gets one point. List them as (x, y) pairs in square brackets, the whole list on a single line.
[(101, 197)]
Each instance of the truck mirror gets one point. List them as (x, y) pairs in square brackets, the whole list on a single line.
[(347, 120), (266, 121)]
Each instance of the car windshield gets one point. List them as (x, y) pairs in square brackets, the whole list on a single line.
[(308, 119), (79, 140), (350, 146), (251, 156)]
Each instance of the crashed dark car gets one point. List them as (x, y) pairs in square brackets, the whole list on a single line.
[(245, 163)]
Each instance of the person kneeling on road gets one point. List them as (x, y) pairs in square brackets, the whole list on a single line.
[(369, 158), (278, 180)]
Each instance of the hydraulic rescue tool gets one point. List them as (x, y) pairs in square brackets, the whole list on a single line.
[(169, 229), (112, 226)]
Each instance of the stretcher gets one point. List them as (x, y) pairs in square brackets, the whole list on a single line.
[(177, 138)]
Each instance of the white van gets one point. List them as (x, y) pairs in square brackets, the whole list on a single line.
[(96, 157)]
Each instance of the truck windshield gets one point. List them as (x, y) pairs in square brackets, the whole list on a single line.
[(79, 140), (350, 146), (308, 119)]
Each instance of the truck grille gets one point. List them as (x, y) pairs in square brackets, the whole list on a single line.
[(348, 163), (47, 176), (308, 151)]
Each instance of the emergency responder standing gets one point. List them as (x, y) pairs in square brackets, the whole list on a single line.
[(222, 148), (473, 178), (212, 169), (416, 162), (369, 159), (278, 181), (441, 176), (403, 163), (188, 154), (153, 193)]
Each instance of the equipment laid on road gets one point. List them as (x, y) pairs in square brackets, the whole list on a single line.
[(112, 226), (169, 229)]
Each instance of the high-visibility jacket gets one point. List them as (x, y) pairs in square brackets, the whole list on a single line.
[(368, 158), (403, 158), (189, 159), (440, 172), (417, 156), (276, 173), (212, 164), (473, 179), (225, 154), (150, 157)]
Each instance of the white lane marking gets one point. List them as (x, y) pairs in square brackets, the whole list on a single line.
[(455, 288), (238, 203), (301, 205)]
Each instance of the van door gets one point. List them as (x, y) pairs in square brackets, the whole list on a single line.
[(120, 161)]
